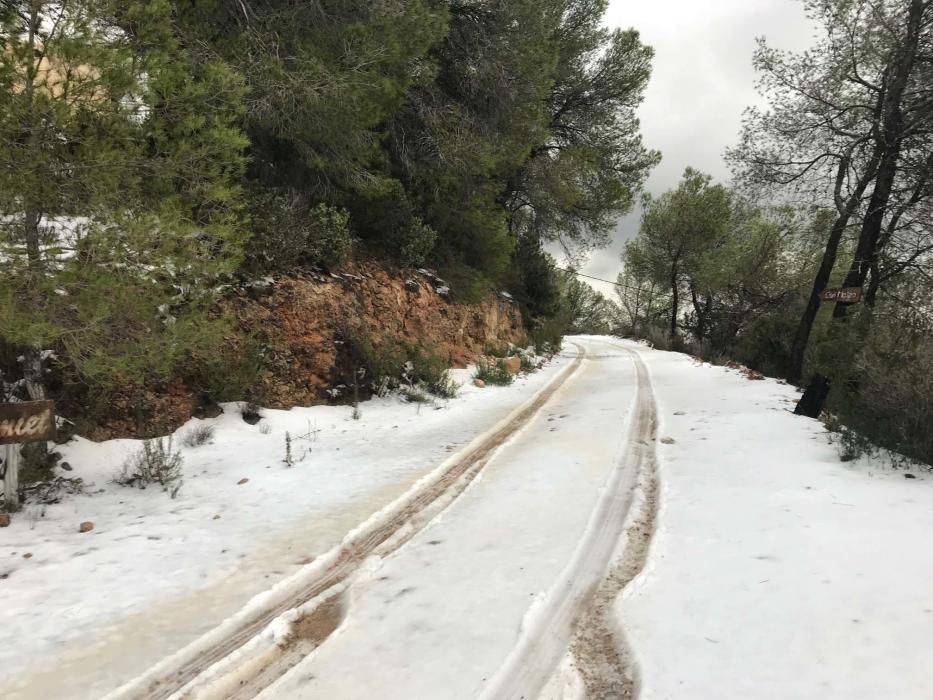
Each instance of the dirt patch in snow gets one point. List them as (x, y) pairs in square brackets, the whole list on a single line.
[(601, 654), (318, 625)]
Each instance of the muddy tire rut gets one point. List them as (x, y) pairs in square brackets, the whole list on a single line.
[(575, 614)]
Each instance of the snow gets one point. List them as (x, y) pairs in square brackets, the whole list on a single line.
[(777, 571), (156, 573), (439, 617)]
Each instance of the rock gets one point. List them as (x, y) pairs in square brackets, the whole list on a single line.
[(512, 364), (86, 526), (479, 382), (668, 440), (909, 476), (27, 555), (4, 520), (216, 517), (67, 467), (241, 482)]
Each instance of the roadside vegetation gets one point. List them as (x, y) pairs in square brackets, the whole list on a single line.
[(833, 189), (157, 156)]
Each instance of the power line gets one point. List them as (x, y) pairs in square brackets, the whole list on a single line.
[(600, 279), (590, 277)]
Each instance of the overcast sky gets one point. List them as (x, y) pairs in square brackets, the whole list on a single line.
[(701, 82)]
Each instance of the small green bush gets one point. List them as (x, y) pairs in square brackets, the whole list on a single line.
[(416, 243), (288, 233), (445, 387), (528, 362), (156, 462), (414, 394), (494, 373), (37, 463), (329, 241), (497, 350), (390, 365)]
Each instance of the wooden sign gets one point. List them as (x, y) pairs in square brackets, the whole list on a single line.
[(28, 421), (846, 295)]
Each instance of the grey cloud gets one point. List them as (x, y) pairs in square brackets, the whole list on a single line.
[(701, 83)]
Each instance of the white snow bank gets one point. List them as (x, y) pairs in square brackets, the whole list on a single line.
[(777, 571)]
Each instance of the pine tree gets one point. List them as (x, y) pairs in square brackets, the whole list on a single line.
[(119, 162)]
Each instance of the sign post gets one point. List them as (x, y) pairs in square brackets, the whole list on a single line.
[(846, 295), (27, 421)]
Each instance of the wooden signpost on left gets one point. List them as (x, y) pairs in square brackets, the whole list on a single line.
[(20, 423)]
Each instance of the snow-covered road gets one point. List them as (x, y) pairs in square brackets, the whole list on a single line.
[(513, 568), (483, 601)]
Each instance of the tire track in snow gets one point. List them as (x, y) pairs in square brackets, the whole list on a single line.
[(381, 534), (577, 609)]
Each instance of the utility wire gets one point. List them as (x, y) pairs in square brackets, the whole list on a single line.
[(600, 279)]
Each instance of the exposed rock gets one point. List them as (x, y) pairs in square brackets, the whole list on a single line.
[(86, 526), (298, 320), (27, 555), (512, 364), (242, 481), (216, 517), (668, 440), (4, 520), (301, 320), (479, 382)]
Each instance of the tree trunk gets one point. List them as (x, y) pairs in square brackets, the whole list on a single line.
[(811, 403), (31, 235), (805, 327), (675, 302), (32, 214), (700, 329)]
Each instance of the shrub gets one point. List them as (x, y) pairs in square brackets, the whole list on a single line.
[(886, 397), (416, 243), (658, 337), (251, 413), (493, 373), (423, 365), (288, 233), (547, 335), (226, 376), (201, 434), (497, 349), (329, 242), (156, 462), (529, 362), (37, 463), (467, 285), (379, 369), (445, 387), (414, 394)]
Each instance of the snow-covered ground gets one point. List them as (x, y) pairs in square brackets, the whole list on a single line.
[(777, 571), (87, 611), (439, 617)]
